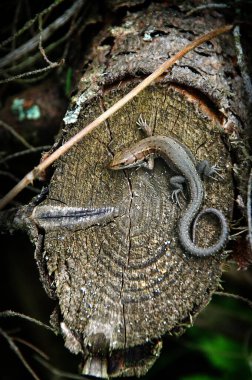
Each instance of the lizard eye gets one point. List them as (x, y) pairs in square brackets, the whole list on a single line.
[(122, 164)]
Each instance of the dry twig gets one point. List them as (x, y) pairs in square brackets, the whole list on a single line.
[(10, 313), (16, 350), (236, 297), (16, 179), (29, 23), (59, 373), (29, 73), (46, 33), (31, 346), (24, 153), (207, 6), (15, 134), (11, 340)]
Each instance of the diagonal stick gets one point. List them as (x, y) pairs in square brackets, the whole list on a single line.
[(32, 175)]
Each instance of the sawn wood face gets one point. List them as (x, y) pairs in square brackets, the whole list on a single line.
[(127, 282)]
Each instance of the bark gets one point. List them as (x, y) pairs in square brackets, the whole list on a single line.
[(123, 285)]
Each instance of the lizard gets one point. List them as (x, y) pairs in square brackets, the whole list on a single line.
[(180, 159)]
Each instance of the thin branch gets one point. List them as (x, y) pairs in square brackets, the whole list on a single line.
[(207, 6), (31, 346), (109, 112), (59, 373), (25, 152), (10, 313), (16, 179), (41, 49), (29, 23), (47, 32), (29, 73), (30, 61), (20, 138), (16, 350), (235, 296), (14, 26)]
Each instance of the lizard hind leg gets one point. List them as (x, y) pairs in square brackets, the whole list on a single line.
[(177, 183), (205, 169)]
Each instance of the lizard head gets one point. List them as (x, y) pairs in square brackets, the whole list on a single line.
[(127, 158)]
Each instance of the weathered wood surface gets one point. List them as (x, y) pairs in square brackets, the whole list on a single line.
[(122, 286)]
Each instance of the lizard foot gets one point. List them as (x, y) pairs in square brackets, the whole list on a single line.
[(206, 170)]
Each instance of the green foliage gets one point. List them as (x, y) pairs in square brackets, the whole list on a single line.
[(68, 84), (225, 355)]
